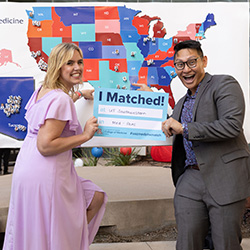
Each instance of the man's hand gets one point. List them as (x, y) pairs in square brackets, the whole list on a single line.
[(142, 87), (171, 126)]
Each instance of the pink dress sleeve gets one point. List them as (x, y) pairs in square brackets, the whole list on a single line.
[(54, 105)]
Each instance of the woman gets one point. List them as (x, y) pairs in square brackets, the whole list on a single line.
[(51, 207)]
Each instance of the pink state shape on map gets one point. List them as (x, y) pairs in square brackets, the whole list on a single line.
[(190, 31), (6, 57)]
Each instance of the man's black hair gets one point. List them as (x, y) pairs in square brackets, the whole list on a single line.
[(188, 44)]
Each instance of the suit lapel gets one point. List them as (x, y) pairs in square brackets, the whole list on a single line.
[(203, 86)]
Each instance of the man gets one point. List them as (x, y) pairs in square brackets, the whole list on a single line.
[(210, 158)]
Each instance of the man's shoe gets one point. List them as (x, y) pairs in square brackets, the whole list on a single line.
[(7, 173)]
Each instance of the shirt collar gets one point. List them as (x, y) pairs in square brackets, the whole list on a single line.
[(189, 94)]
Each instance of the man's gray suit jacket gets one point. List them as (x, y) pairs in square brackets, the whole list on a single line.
[(218, 141)]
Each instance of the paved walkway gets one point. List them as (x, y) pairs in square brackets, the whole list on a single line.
[(124, 184), (157, 245)]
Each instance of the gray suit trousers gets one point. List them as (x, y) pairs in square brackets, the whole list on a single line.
[(195, 209)]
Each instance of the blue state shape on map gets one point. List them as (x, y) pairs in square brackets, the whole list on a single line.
[(170, 71), (91, 49), (76, 15), (152, 76), (164, 78), (132, 48), (126, 17), (48, 43), (209, 21), (165, 44), (134, 67), (109, 52), (153, 47), (15, 86), (129, 36), (144, 47), (133, 79), (40, 13), (156, 63), (83, 32), (201, 32)]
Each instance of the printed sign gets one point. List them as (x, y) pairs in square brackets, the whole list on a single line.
[(130, 114)]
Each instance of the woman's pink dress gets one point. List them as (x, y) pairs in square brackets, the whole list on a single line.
[(48, 202)]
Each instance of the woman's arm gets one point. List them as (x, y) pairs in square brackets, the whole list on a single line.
[(49, 141), (86, 93)]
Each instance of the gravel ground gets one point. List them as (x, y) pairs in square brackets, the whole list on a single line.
[(165, 234)]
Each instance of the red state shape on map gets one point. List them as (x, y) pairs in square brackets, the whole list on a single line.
[(106, 12), (69, 40), (168, 90), (197, 27), (159, 55), (91, 69), (150, 18), (35, 45), (58, 28), (158, 29), (143, 75), (189, 32), (6, 57), (44, 30), (168, 63), (141, 24), (121, 64), (109, 38), (178, 39)]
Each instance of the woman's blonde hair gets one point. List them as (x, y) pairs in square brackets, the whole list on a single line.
[(59, 55)]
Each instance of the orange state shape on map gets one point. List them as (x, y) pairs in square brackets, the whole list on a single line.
[(159, 55), (45, 30), (190, 31), (143, 75), (109, 38), (121, 64), (158, 29), (58, 28), (141, 24), (91, 69), (106, 12)]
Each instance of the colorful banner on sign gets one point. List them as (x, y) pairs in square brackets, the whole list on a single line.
[(130, 114)]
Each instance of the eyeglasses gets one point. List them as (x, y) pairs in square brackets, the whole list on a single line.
[(191, 63)]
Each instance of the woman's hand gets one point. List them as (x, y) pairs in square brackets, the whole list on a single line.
[(90, 127), (50, 142), (87, 94)]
